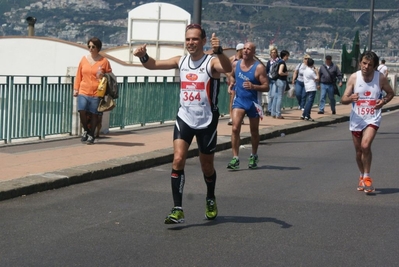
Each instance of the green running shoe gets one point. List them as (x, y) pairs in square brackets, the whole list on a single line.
[(234, 164), (253, 162), (176, 216), (211, 209)]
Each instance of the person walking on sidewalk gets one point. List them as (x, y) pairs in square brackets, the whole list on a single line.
[(329, 74), (90, 71), (230, 88), (273, 60), (297, 81), (310, 77), (383, 68), (279, 85), (198, 113), (364, 91), (249, 77)]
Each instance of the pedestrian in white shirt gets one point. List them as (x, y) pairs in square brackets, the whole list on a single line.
[(383, 68), (310, 77)]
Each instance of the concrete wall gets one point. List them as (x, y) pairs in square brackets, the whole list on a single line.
[(49, 56), (37, 56), (165, 52), (44, 56)]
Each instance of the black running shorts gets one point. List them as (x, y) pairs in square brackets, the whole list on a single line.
[(206, 138)]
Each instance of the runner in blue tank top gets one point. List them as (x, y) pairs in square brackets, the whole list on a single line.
[(250, 81), (244, 98)]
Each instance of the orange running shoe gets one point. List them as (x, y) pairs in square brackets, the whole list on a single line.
[(360, 187), (368, 185)]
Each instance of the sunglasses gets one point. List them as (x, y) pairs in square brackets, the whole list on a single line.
[(91, 46)]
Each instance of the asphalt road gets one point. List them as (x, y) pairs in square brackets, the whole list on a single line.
[(299, 208)]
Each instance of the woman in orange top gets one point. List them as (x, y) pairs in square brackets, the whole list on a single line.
[(89, 74)]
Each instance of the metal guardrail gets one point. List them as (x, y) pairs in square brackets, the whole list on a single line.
[(145, 100), (43, 106), (34, 107), (149, 99)]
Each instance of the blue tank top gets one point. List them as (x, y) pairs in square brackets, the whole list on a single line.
[(241, 77)]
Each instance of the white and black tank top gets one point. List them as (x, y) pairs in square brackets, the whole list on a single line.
[(198, 92)]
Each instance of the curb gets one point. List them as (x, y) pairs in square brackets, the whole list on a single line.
[(106, 169)]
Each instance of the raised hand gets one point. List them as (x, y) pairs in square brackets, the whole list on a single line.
[(140, 51), (215, 43)]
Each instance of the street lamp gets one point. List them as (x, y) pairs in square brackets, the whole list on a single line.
[(371, 25), (197, 11)]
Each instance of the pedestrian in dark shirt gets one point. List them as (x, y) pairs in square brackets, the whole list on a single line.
[(329, 74)]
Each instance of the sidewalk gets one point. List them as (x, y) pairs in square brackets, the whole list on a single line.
[(31, 168)]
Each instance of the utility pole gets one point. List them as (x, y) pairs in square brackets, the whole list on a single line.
[(371, 26), (197, 11)]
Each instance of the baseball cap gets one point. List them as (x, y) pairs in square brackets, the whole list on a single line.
[(306, 56), (239, 46)]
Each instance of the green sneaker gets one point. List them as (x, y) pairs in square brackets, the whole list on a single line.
[(176, 216), (253, 162), (234, 164), (211, 209)]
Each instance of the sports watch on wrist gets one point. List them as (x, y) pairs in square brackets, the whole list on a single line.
[(219, 51)]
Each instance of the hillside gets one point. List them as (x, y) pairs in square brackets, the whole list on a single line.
[(291, 25)]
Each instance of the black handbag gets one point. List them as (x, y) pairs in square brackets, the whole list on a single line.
[(336, 90), (287, 86)]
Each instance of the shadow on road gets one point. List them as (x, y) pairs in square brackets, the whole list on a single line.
[(235, 219), (127, 144), (268, 167), (385, 191), (281, 168)]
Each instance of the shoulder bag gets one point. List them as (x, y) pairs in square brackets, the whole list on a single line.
[(107, 104), (335, 86)]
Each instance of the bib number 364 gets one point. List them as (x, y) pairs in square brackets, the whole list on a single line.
[(191, 96)]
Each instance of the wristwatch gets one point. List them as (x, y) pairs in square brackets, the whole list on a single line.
[(219, 51)]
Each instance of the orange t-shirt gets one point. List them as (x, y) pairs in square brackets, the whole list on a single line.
[(86, 81)]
